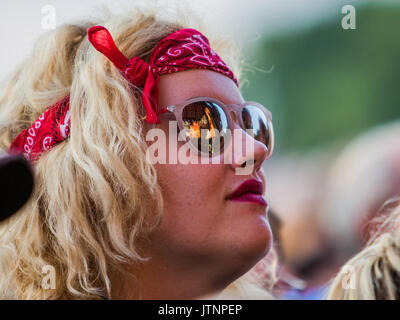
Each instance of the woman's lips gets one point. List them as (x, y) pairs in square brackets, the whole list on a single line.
[(249, 191)]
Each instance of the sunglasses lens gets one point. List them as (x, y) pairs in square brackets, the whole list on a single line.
[(205, 124), (256, 120)]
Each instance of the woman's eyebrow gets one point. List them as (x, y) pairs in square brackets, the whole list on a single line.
[(222, 98), (195, 97), (207, 96)]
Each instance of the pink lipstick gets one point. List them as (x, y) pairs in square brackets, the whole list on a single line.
[(249, 191)]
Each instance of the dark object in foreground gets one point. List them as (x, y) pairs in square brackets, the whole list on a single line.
[(16, 184)]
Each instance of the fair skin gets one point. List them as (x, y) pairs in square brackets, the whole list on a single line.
[(204, 241)]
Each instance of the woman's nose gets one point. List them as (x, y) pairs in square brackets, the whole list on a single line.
[(248, 154)]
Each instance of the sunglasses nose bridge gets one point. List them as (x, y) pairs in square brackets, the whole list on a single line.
[(235, 117)]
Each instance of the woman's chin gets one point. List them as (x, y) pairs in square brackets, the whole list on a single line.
[(248, 254), (252, 241), (259, 243), (253, 227)]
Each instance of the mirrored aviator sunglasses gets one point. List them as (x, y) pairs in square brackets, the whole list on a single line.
[(208, 123)]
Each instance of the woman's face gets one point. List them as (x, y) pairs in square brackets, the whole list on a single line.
[(200, 228)]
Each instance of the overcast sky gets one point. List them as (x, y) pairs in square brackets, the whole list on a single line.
[(21, 20)]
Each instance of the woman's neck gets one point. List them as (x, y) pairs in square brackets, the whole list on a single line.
[(154, 280)]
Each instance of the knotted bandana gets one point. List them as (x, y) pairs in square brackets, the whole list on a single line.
[(182, 50)]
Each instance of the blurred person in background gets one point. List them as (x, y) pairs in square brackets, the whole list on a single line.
[(304, 255), (363, 176), (333, 198)]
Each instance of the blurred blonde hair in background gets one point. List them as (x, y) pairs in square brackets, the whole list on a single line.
[(374, 273)]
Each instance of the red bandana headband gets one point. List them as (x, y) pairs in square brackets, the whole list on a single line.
[(182, 50)]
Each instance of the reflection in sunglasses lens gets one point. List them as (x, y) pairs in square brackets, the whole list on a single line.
[(206, 124), (256, 120)]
